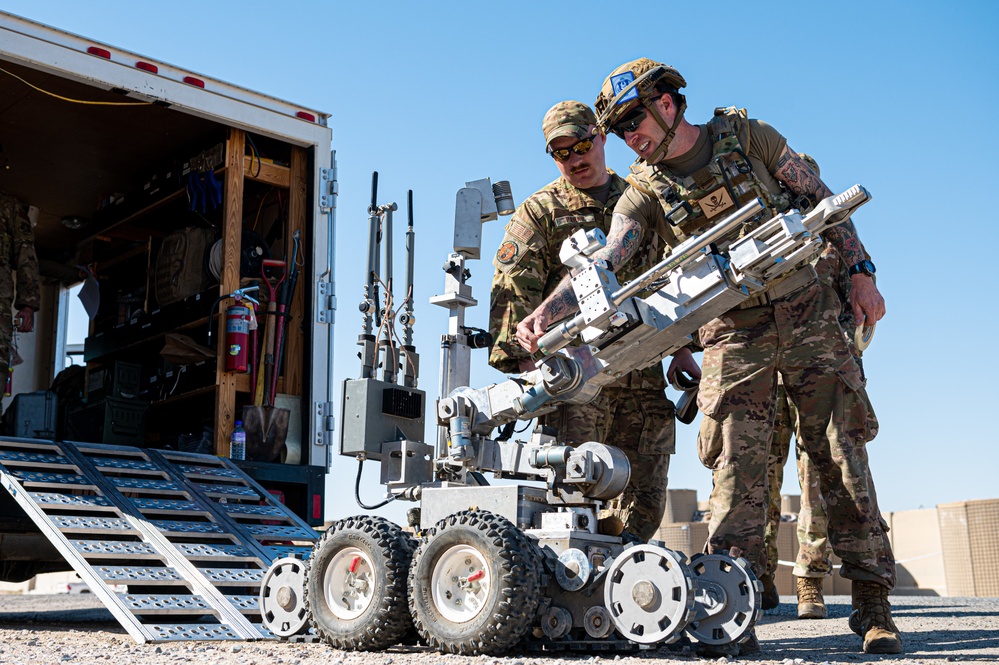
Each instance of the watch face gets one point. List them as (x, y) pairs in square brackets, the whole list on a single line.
[(865, 267)]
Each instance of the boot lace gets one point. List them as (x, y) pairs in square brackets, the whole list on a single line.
[(809, 590), (875, 609)]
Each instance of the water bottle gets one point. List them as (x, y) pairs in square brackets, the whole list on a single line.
[(237, 442)]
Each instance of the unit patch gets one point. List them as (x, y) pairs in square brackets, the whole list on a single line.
[(622, 81), (715, 203), (508, 252)]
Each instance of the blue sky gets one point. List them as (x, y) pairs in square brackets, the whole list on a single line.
[(898, 96)]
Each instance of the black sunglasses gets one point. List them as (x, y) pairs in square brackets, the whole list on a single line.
[(579, 147), (630, 122)]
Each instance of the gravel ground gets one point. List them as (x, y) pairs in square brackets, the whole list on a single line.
[(39, 630)]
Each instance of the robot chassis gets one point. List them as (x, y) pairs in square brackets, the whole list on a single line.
[(516, 565)]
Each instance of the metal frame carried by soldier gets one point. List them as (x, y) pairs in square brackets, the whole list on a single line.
[(687, 177), (634, 413)]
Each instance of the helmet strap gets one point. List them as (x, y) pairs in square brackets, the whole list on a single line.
[(660, 152)]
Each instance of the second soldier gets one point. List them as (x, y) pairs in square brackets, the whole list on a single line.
[(633, 413)]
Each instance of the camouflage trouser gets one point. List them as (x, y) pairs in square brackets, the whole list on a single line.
[(641, 423), (8, 212), (813, 541), (6, 335), (799, 336)]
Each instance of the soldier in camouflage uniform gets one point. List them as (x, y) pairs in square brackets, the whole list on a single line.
[(686, 178), (813, 562), (17, 255), (633, 413)]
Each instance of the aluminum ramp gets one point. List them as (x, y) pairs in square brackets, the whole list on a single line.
[(190, 535)]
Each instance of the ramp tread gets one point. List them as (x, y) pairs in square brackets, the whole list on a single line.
[(97, 505)]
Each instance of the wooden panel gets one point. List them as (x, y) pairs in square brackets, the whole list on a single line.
[(294, 343), (271, 174), (225, 398), (243, 383)]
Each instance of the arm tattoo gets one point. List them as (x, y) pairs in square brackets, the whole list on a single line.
[(561, 302), (794, 172), (800, 179), (622, 241), (844, 238)]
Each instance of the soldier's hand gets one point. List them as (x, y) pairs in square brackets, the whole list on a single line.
[(27, 316), (867, 302), (531, 329), (683, 361)]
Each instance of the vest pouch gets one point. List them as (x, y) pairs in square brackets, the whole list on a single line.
[(680, 212)]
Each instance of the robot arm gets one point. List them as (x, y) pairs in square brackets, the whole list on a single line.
[(698, 281)]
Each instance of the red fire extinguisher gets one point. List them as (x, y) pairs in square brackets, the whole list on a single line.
[(237, 338)]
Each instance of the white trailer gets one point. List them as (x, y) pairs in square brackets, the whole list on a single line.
[(118, 151)]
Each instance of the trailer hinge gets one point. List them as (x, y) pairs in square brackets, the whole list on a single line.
[(326, 310), (329, 188), (326, 423)]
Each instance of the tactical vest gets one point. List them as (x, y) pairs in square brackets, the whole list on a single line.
[(695, 202)]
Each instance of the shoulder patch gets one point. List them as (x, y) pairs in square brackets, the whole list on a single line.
[(508, 252), (520, 231)]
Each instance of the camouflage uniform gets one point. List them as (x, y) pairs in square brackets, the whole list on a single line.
[(792, 330), (813, 553), (17, 254), (633, 413)]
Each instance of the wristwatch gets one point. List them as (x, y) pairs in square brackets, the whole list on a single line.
[(866, 267)]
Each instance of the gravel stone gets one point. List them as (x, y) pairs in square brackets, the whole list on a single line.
[(37, 629)]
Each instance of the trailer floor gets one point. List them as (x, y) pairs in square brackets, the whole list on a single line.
[(77, 629)]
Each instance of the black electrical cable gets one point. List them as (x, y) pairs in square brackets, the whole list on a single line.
[(524, 428), (255, 152), (357, 491), (506, 431)]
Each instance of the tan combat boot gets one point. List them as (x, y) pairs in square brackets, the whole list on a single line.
[(874, 616), (810, 602)]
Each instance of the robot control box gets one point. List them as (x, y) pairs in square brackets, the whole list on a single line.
[(375, 412)]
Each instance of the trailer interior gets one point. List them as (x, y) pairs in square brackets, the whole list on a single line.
[(111, 177)]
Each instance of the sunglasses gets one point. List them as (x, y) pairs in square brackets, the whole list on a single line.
[(579, 147), (630, 122)]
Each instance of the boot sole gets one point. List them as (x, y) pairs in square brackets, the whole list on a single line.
[(883, 645), (812, 611)]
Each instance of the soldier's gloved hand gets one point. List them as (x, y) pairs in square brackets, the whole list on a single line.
[(683, 361), (27, 320), (867, 302), (531, 329)]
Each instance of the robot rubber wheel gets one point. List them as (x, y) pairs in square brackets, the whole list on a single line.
[(356, 584), (475, 584)]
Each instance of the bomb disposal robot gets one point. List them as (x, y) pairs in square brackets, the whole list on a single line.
[(498, 566)]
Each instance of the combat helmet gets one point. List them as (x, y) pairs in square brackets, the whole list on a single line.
[(638, 80)]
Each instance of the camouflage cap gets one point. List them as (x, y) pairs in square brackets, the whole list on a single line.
[(569, 118)]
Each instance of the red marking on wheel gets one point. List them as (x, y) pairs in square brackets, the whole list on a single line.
[(353, 564), (477, 575)]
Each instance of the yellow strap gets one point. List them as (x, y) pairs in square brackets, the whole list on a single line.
[(74, 101)]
